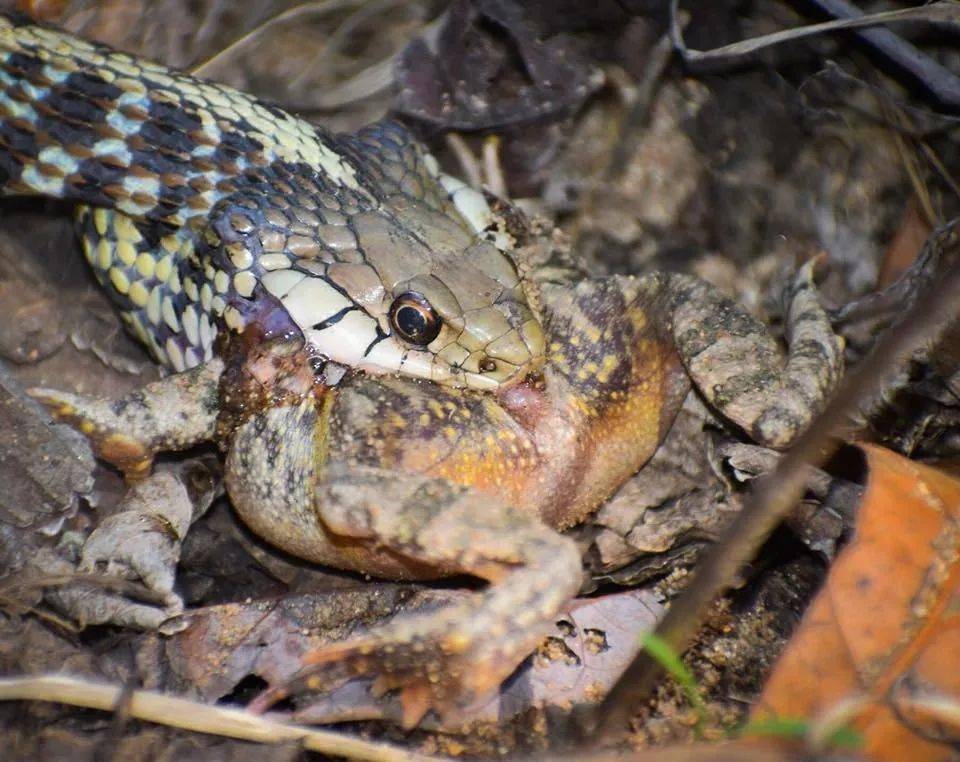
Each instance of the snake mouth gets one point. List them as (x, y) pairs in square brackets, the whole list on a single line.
[(504, 366), (498, 375), (475, 361)]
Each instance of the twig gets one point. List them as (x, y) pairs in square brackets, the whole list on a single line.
[(469, 165), (943, 84), (936, 708), (639, 113), (945, 10), (774, 495), (333, 42), (825, 727), (202, 718), (127, 588), (369, 81), (493, 167), (10, 605), (366, 83), (939, 81), (304, 9), (641, 107)]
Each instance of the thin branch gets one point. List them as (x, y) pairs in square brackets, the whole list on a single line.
[(202, 718), (369, 10), (372, 80), (943, 11), (305, 9), (469, 165), (940, 82), (493, 167)]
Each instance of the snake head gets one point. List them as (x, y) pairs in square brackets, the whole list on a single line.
[(391, 290), (464, 321)]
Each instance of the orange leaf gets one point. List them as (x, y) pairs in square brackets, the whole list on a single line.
[(886, 627), (912, 234)]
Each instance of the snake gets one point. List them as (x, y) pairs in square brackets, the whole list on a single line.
[(207, 213)]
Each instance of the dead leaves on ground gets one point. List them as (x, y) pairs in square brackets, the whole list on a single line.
[(879, 648)]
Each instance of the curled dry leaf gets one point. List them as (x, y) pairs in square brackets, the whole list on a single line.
[(884, 633), (470, 79)]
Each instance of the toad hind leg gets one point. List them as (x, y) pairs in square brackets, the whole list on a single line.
[(738, 366), (446, 658)]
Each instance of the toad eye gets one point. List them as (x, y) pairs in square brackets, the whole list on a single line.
[(414, 319)]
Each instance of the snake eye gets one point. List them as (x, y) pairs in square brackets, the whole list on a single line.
[(414, 319)]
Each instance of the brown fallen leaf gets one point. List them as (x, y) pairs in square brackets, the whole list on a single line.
[(880, 644)]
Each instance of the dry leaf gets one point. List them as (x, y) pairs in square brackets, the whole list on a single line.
[(883, 636)]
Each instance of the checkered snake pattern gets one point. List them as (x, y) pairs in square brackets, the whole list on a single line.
[(202, 208)]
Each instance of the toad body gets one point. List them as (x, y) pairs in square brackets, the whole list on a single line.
[(396, 389)]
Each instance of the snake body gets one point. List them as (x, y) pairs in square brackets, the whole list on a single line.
[(203, 209)]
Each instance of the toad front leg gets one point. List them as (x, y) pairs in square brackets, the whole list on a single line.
[(174, 413)]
